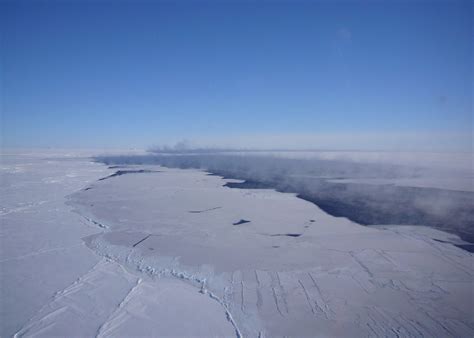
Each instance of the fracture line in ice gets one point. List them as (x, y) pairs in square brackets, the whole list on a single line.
[(55, 297), (109, 323), (166, 272), (40, 252)]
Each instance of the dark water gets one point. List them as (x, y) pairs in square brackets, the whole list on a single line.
[(125, 172), (467, 247), (288, 235), (205, 210), (242, 221), (376, 205)]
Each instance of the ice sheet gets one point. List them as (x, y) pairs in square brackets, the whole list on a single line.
[(165, 253)]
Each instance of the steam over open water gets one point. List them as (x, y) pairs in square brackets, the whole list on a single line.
[(368, 193)]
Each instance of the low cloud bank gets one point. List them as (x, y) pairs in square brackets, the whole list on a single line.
[(455, 141), (366, 204)]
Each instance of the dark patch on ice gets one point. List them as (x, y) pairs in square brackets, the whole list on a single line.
[(242, 221), (100, 225), (116, 166), (467, 247), (199, 211), (125, 172), (247, 185), (438, 240), (312, 220), (289, 235), (275, 246), (306, 226), (89, 188), (134, 245)]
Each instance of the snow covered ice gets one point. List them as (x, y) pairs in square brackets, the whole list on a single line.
[(156, 251)]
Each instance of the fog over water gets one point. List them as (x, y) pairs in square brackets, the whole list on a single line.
[(368, 188)]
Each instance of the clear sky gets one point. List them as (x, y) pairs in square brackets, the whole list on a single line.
[(301, 73)]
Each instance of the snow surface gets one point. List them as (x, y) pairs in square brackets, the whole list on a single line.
[(162, 253), (52, 284)]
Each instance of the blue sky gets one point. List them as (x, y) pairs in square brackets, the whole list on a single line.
[(132, 74)]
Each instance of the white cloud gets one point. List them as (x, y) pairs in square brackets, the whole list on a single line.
[(344, 33)]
